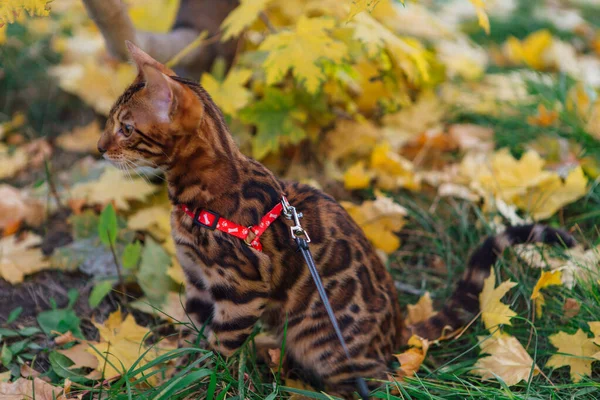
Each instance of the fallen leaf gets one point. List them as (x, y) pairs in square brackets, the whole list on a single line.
[(26, 389), (379, 219), (17, 121), (358, 6), (155, 220), (65, 338), (153, 16), (571, 309), (81, 355), (493, 311), (543, 118), (547, 278), (357, 177), (482, 17), (121, 345), (274, 357), (351, 139), (17, 206), (172, 309), (472, 137), (576, 352), (83, 139), (19, 258), (411, 360), (421, 311), (393, 171), (12, 162), (114, 187), (28, 372), (507, 360), (530, 51)]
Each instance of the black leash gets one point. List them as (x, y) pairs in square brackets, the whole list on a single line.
[(302, 243)]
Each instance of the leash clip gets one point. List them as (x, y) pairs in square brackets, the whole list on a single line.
[(290, 212)]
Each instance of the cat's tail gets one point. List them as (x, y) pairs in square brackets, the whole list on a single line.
[(463, 305)]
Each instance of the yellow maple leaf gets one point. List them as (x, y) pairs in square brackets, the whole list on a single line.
[(549, 196), (20, 258), (482, 17), (153, 16), (351, 138), (97, 84), (408, 54), (379, 219), (156, 220), (547, 278), (113, 186), (595, 328), (10, 10), (412, 359), (300, 50), (242, 17), (230, 95), (82, 139), (421, 311), (392, 170), (493, 311), (531, 50), (358, 6), (171, 310), (121, 345), (544, 117), (357, 177), (576, 352), (507, 360)]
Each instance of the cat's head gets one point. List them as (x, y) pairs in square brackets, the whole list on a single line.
[(144, 123)]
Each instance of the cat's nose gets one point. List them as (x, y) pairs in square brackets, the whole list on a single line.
[(101, 149)]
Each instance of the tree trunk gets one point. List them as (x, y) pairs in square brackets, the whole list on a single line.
[(193, 17)]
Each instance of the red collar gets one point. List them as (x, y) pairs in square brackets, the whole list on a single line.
[(212, 221)]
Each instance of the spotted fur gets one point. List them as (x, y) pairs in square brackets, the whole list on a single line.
[(169, 122)]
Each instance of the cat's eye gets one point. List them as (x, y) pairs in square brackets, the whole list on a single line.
[(127, 129)]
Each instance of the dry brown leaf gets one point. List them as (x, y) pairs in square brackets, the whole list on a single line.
[(421, 311), (83, 139), (472, 137), (64, 338), (508, 360), (11, 162), (80, 355), (571, 308), (28, 372), (18, 258), (16, 206), (24, 389)]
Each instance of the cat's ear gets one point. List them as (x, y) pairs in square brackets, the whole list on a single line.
[(161, 92), (142, 59)]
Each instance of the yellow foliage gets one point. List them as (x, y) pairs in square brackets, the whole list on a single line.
[(230, 95), (156, 220), (421, 311), (357, 177), (576, 352), (82, 139), (299, 50), (114, 187), (531, 50), (392, 170), (20, 258), (242, 17), (548, 278), (379, 219), (482, 17), (493, 311), (11, 10), (359, 6), (507, 360), (12, 162), (121, 345), (351, 138), (153, 16)]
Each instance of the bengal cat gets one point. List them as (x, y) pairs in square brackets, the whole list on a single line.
[(172, 123)]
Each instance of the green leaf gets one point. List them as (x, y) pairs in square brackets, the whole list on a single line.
[(72, 295), (152, 275), (61, 364), (29, 331), (5, 355), (99, 292), (277, 118), (14, 314), (62, 320), (18, 347), (8, 333), (107, 226), (131, 255)]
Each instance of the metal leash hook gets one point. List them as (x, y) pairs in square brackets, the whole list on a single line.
[(300, 236)]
